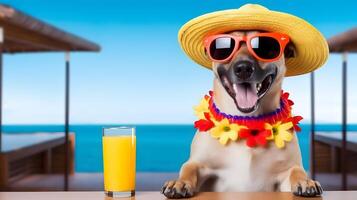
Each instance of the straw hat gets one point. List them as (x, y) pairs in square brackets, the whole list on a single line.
[(311, 47)]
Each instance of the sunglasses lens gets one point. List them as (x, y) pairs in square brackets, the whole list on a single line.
[(221, 48), (265, 47)]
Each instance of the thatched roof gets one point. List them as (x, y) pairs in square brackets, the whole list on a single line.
[(344, 42), (23, 33)]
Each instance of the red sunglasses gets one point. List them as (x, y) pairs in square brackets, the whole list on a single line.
[(266, 47)]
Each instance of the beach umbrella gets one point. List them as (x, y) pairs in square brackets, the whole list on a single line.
[(344, 43), (21, 33)]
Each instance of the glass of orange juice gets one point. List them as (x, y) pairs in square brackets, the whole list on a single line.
[(119, 155)]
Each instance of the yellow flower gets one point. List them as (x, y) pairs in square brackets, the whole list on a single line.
[(280, 133), (224, 131), (201, 109)]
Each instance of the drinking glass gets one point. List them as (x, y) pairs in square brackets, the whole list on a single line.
[(119, 156)]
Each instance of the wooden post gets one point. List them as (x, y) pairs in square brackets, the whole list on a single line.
[(3, 158), (312, 135), (66, 125), (344, 160), (1, 83)]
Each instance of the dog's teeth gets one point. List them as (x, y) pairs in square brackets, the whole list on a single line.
[(259, 86)]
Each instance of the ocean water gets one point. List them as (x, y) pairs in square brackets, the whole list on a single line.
[(160, 148)]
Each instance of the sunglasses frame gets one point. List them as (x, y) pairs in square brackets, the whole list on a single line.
[(282, 39)]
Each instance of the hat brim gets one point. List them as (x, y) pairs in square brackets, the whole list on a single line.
[(311, 46)]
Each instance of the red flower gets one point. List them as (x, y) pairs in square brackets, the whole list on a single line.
[(295, 120), (256, 134), (210, 93), (204, 124), (285, 95)]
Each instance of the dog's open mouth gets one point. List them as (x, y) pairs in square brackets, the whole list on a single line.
[(246, 95)]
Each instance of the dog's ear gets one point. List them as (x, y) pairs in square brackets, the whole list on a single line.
[(290, 50)]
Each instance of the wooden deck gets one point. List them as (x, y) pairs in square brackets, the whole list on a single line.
[(36, 153), (328, 159), (328, 147)]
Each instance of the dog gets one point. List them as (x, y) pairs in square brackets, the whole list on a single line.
[(236, 167)]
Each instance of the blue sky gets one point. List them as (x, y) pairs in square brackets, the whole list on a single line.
[(141, 75)]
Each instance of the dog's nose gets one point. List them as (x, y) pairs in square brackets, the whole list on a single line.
[(244, 69)]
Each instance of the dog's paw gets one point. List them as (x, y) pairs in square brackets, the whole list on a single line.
[(307, 188), (177, 189)]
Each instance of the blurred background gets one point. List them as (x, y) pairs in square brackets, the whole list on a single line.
[(141, 77)]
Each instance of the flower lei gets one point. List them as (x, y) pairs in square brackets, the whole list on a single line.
[(277, 126)]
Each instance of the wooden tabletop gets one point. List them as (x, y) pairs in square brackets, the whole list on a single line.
[(329, 195)]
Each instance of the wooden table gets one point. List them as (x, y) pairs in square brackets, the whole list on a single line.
[(348, 195)]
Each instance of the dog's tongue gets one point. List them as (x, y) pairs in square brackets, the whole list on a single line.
[(246, 95)]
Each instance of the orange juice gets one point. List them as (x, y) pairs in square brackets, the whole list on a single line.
[(119, 163)]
